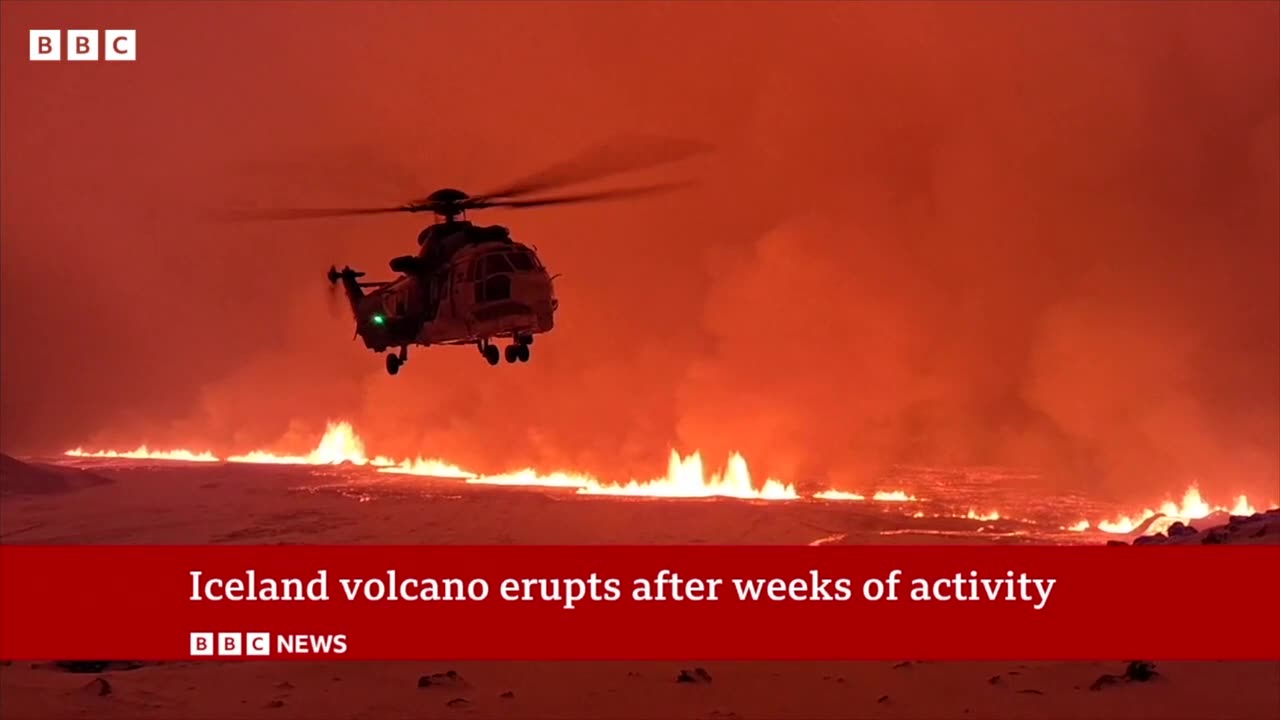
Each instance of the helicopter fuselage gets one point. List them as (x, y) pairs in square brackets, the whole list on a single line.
[(467, 285)]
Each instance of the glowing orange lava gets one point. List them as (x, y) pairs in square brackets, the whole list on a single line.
[(142, 453), (901, 496), (685, 478), (531, 478), (423, 467), (1193, 507), (893, 496), (839, 495), (339, 445), (879, 496)]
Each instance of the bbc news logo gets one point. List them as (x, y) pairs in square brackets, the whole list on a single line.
[(83, 45), (232, 644)]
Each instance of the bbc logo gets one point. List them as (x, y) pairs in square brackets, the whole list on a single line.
[(82, 45), (234, 644)]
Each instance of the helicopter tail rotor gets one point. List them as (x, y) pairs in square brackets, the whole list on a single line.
[(333, 295), (346, 274), (350, 287)]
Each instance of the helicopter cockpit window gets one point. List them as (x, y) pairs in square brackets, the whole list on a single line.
[(496, 263), (497, 287), (521, 261)]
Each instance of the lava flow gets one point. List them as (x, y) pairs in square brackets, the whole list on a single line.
[(1193, 507), (878, 496), (685, 478), (340, 445), (142, 453), (425, 467), (840, 495)]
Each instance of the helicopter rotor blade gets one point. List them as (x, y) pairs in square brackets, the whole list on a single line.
[(621, 155), (309, 213), (579, 198)]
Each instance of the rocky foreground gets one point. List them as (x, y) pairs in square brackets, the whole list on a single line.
[(909, 690), (21, 479)]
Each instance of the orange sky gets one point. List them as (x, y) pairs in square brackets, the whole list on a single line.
[(1002, 233)]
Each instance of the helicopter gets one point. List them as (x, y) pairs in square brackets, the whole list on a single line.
[(469, 284)]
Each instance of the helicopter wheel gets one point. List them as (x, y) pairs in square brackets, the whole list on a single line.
[(491, 354), (522, 352), (393, 364)]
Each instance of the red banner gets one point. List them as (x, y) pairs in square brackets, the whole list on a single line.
[(653, 602)]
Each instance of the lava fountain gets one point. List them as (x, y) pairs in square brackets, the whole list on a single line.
[(339, 445), (686, 479), (1193, 507)]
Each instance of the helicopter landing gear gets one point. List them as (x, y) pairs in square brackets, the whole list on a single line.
[(395, 361), (517, 352)]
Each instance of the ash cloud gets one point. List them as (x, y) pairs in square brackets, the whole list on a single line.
[(1040, 235)]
